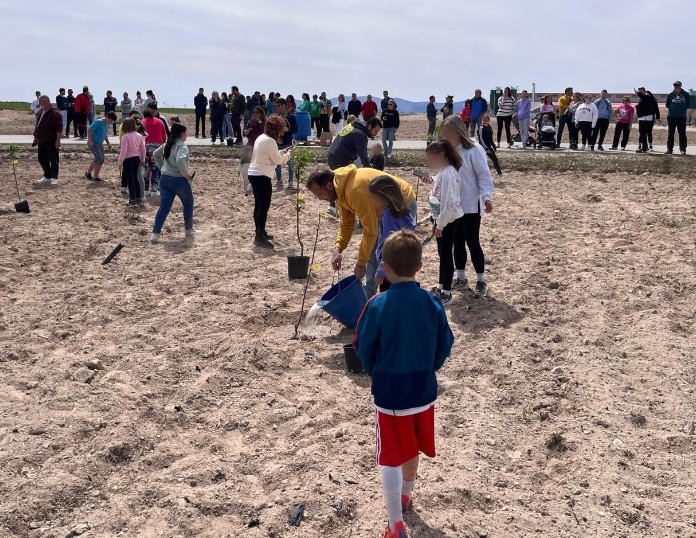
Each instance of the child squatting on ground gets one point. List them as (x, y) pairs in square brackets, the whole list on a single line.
[(402, 339)]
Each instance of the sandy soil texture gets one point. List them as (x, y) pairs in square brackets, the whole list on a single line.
[(413, 127), (566, 409)]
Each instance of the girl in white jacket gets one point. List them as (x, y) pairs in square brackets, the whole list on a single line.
[(586, 120), (446, 207)]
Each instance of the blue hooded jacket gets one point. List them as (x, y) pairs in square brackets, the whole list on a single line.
[(402, 339), (479, 106)]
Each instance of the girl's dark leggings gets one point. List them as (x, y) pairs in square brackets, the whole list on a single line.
[(467, 235), (445, 245), (494, 157)]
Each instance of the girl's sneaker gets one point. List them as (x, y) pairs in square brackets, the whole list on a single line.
[(406, 503), (398, 532), (481, 290), (459, 284), (155, 238)]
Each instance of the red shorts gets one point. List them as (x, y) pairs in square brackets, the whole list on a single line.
[(402, 438)]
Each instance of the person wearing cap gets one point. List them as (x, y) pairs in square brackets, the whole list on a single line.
[(677, 104)]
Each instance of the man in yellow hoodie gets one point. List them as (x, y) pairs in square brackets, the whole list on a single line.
[(348, 187)]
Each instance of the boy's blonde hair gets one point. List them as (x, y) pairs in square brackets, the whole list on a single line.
[(378, 146), (402, 252), (350, 119)]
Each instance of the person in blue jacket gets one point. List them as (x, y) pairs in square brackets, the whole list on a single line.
[(200, 101), (479, 107), (389, 201), (402, 339)]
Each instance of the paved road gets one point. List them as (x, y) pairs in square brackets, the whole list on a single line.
[(398, 144)]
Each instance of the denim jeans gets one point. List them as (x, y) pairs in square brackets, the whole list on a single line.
[(291, 169), (388, 134), (474, 126), (563, 120), (236, 126), (226, 126), (524, 131), (373, 262), (432, 124), (170, 188)]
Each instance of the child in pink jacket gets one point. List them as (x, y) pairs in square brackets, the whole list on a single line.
[(130, 159)]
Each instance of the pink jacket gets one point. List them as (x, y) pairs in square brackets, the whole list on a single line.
[(132, 145)]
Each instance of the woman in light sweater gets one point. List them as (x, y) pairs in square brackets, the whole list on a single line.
[(262, 168), (506, 107), (130, 159), (172, 158), (476, 197), (586, 119)]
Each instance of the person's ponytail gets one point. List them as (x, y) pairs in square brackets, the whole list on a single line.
[(177, 130)]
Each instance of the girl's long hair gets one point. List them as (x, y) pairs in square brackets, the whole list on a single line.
[(385, 187), (177, 130), (445, 148), (456, 124)]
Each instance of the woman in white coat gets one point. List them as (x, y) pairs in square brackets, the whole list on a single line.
[(585, 120)]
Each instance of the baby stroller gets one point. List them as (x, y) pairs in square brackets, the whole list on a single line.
[(531, 137), (547, 134)]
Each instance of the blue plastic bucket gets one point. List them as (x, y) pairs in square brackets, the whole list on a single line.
[(345, 301), (304, 126)]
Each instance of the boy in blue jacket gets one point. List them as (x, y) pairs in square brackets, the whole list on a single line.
[(402, 339)]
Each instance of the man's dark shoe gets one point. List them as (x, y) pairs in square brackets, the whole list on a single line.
[(264, 243)]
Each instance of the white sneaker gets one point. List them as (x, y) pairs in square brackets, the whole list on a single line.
[(54, 181), (154, 192), (582, 148), (155, 238), (190, 235), (124, 190), (43, 181)]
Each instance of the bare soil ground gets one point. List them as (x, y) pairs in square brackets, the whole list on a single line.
[(413, 127), (566, 409)]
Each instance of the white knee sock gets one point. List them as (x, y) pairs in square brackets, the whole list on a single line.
[(392, 478)]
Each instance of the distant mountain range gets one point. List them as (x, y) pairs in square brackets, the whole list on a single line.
[(408, 107)]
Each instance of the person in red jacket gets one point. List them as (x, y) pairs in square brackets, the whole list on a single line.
[(82, 108), (369, 109)]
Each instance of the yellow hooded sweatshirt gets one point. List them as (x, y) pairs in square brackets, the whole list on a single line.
[(351, 186)]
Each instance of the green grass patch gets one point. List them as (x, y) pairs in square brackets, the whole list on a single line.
[(15, 105)]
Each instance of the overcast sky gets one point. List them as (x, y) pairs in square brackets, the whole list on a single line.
[(413, 48)]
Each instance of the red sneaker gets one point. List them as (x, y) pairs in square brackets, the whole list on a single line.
[(398, 532), (406, 503)]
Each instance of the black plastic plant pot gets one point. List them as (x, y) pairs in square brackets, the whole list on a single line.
[(298, 267), (353, 364), (22, 206)]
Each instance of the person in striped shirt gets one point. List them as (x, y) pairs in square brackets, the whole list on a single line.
[(506, 108)]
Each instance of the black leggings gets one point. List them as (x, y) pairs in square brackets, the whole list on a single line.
[(504, 120), (586, 130), (263, 190), (467, 233), (316, 123), (445, 244), (130, 174), (621, 130), (216, 129)]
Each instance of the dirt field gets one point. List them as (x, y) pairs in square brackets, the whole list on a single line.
[(566, 409), (413, 127)]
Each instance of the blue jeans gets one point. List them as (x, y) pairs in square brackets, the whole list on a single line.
[(373, 262), (563, 120), (291, 169), (474, 126), (170, 188), (226, 126), (388, 134)]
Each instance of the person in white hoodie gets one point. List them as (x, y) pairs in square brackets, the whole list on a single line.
[(586, 120), (476, 198)]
